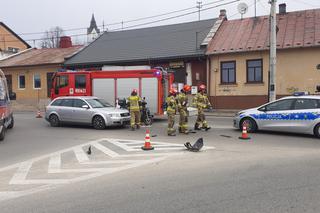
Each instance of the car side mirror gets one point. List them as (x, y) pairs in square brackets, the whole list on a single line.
[(85, 106), (12, 95)]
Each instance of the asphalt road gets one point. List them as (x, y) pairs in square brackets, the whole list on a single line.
[(272, 172)]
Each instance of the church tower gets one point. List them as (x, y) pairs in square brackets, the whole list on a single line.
[(93, 31)]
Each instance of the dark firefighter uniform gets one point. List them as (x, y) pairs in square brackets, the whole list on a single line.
[(182, 100), (201, 102), (171, 111), (134, 104)]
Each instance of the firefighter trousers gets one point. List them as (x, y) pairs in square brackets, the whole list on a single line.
[(171, 129), (135, 118), (201, 119), (183, 121)]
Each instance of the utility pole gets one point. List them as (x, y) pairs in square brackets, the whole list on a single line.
[(255, 8), (199, 6), (273, 51)]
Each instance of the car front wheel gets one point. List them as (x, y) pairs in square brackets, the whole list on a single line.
[(249, 123), (54, 121), (98, 122)]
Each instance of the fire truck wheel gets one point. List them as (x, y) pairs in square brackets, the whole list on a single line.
[(98, 122), (54, 120)]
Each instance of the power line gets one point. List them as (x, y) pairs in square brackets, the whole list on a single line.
[(142, 24), (124, 22)]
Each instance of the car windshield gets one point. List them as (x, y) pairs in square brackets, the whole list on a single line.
[(98, 103), (3, 93)]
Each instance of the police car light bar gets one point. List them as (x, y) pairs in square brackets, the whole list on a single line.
[(300, 93)]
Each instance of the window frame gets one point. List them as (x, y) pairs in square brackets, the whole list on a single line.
[(36, 88), (19, 85), (235, 72), (247, 67)]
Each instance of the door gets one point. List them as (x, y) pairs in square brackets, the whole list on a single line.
[(49, 83), (9, 83), (81, 115), (65, 110), (81, 85), (305, 111), (104, 88), (62, 83), (276, 115)]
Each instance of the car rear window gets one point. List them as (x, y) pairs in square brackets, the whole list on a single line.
[(56, 102), (66, 102), (306, 104)]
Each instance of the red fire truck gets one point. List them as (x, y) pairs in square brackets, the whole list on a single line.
[(153, 84)]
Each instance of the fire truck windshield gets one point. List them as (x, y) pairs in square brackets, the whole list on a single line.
[(98, 103)]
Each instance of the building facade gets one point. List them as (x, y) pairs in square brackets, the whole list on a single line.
[(10, 42), (29, 72), (239, 59)]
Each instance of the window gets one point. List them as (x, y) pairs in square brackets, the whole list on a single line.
[(78, 103), (80, 81), (280, 105), (228, 72), (13, 49), (36, 81), (254, 71), (22, 82), (57, 102), (306, 104), (64, 81), (66, 102)]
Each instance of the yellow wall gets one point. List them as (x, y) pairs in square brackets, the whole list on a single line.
[(296, 70), (30, 93), (9, 40)]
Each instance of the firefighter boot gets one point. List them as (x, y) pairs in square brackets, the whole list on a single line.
[(196, 127)]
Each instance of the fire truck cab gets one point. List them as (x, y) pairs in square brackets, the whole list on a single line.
[(153, 84)]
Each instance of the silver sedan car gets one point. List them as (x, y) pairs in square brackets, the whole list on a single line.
[(298, 114), (85, 110)]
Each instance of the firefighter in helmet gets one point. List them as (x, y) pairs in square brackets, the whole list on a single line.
[(171, 111), (182, 100), (134, 105), (202, 102)]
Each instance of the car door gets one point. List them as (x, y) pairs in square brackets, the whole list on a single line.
[(305, 112), (65, 110), (80, 114), (276, 115)]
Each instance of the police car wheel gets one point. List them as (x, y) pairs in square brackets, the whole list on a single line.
[(249, 123), (316, 130)]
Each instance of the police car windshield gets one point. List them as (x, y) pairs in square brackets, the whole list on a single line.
[(98, 103)]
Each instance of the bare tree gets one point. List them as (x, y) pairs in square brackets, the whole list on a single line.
[(51, 37)]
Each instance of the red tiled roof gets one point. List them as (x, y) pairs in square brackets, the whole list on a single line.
[(296, 29), (32, 57)]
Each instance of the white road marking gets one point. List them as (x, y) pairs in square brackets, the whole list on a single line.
[(80, 154), (20, 177), (105, 150)]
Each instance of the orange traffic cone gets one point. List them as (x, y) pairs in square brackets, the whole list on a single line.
[(39, 114), (147, 145), (244, 135)]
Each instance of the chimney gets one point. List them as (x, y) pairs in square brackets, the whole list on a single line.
[(65, 42), (223, 14), (282, 9)]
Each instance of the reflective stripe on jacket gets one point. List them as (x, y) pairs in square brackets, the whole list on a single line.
[(134, 103)]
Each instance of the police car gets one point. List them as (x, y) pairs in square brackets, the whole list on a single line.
[(298, 114)]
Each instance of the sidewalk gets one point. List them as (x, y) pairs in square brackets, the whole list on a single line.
[(221, 113)]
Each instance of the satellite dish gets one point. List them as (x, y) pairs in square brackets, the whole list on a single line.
[(242, 8)]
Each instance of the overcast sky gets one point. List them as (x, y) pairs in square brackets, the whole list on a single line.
[(40, 15)]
